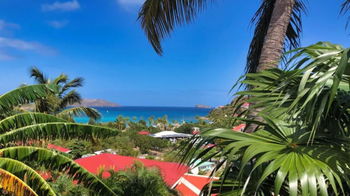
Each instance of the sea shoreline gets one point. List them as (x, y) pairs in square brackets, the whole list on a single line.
[(135, 113)]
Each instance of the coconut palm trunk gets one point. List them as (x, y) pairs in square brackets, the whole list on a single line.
[(273, 46), (276, 34), (277, 27)]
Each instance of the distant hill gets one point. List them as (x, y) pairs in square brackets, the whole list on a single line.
[(96, 103), (203, 106)]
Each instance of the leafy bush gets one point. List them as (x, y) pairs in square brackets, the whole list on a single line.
[(185, 128), (137, 181)]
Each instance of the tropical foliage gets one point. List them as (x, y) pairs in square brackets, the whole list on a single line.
[(16, 172), (302, 145), (138, 181), (57, 102)]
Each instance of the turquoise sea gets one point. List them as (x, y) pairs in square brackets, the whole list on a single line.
[(180, 114)]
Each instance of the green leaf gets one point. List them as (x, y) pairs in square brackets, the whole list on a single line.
[(55, 161), (54, 130), (30, 176)]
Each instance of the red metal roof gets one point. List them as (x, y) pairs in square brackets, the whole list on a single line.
[(198, 181), (184, 190), (143, 133), (239, 127), (171, 172), (191, 185), (58, 148)]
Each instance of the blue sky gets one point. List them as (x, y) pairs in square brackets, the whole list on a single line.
[(103, 42)]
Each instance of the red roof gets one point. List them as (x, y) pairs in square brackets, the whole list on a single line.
[(246, 105), (185, 191), (191, 185), (239, 127), (143, 133), (58, 148), (195, 132), (171, 172)]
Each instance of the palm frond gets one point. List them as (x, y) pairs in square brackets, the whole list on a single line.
[(70, 98), (345, 8), (282, 154), (28, 175), (80, 112), (159, 18), (55, 161), (314, 89), (26, 119), (60, 79), (24, 95), (14, 185), (76, 82), (38, 75), (262, 19), (56, 130)]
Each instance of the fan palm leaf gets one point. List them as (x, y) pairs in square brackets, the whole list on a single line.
[(316, 88), (55, 161), (301, 146), (281, 152)]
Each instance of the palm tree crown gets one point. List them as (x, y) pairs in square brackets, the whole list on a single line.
[(57, 102)]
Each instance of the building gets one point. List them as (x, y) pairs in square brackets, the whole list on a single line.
[(144, 132), (170, 134), (239, 127), (58, 148), (203, 167), (191, 185), (171, 172)]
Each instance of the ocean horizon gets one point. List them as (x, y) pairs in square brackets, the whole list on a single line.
[(180, 114)]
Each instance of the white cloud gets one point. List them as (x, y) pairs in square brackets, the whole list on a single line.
[(6, 28), (9, 46), (7, 25), (61, 6), (57, 24), (17, 44), (128, 3), (5, 56)]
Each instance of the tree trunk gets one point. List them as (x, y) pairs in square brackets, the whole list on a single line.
[(273, 45), (276, 34)]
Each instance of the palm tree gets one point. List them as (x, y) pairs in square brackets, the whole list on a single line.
[(151, 120), (121, 122), (302, 145), (17, 175), (56, 103), (278, 26)]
